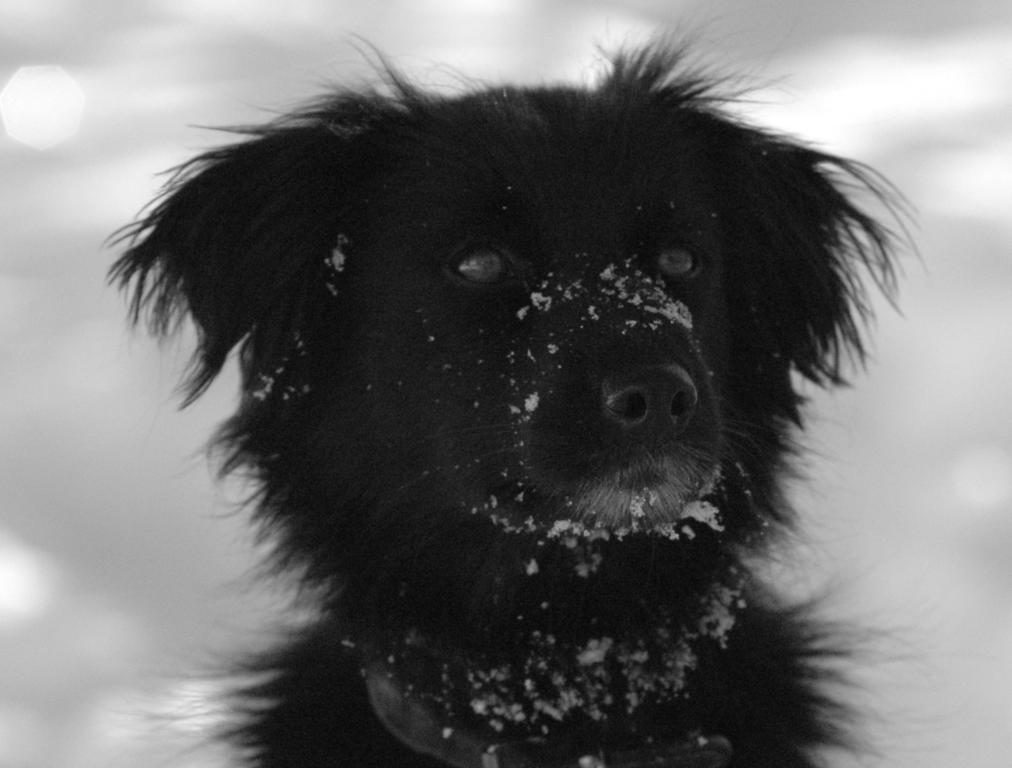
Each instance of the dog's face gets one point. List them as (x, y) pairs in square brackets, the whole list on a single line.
[(532, 313), (541, 322)]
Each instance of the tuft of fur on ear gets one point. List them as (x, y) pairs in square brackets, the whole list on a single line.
[(671, 75), (808, 249), (240, 233)]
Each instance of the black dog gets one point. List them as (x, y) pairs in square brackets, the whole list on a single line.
[(517, 391)]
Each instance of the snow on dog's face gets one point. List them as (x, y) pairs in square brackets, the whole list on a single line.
[(611, 431)]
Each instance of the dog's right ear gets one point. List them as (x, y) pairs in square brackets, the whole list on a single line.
[(241, 232)]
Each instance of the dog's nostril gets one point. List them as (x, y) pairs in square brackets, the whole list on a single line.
[(628, 405), (683, 402)]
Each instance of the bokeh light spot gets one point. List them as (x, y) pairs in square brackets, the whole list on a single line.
[(41, 106), (27, 583)]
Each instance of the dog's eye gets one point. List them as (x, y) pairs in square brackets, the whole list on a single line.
[(483, 265), (677, 263)]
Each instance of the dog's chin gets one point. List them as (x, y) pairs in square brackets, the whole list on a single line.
[(657, 498)]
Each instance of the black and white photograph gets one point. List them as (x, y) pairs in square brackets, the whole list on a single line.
[(491, 384)]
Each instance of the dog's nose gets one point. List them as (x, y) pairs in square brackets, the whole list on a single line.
[(650, 403)]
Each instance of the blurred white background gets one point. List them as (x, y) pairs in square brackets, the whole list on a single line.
[(122, 568)]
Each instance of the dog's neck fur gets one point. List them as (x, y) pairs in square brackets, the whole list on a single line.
[(576, 634), (423, 730)]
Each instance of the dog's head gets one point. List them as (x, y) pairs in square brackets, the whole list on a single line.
[(540, 310)]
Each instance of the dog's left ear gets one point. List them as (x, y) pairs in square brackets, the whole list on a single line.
[(237, 238), (803, 249)]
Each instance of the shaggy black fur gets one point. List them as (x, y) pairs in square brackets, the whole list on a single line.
[(517, 392)]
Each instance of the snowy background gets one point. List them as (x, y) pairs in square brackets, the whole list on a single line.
[(121, 566)]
